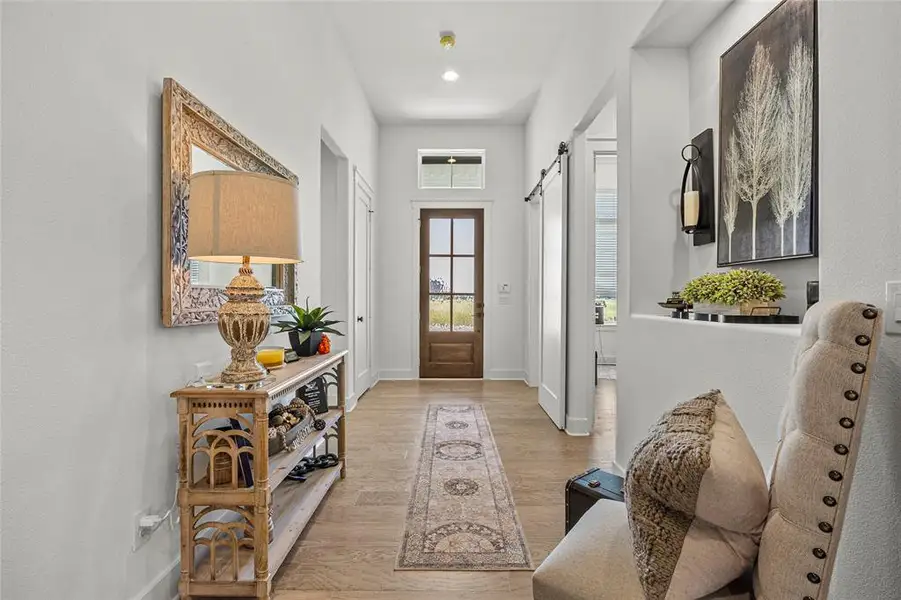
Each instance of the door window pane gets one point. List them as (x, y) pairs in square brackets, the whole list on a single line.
[(439, 313), (464, 307), (439, 236), (464, 236), (464, 275), (439, 275)]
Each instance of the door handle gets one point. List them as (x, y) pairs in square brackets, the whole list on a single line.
[(359, 319)]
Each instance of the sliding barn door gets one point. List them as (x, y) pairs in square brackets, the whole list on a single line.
[(552, 384)]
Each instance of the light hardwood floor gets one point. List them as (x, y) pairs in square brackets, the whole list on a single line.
[(349, 548)]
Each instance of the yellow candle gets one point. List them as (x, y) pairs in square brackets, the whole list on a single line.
[(271, 357), (692, 208)]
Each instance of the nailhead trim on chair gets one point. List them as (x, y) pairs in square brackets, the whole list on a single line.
[(841, 449)]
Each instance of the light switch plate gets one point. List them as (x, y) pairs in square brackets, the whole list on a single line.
[(893, 307)]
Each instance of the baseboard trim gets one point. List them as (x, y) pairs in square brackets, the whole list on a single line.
[(164, 586), (351, 403), (505, 375), (577, 426), (397, 375)]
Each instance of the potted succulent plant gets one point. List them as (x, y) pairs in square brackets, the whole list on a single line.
[(749, 290), (305, 327)]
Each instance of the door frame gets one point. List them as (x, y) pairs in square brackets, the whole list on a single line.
[(488, 293), (360, 181)]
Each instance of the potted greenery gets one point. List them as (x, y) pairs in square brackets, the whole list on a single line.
[(748, 289), (306, 326)]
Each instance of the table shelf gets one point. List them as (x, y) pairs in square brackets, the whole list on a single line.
[(225, 546), (293, 505), (280, 464)]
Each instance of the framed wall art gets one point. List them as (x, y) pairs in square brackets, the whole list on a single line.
[(768, 139)]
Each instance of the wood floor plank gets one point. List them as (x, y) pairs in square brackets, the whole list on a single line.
[(348, 551)]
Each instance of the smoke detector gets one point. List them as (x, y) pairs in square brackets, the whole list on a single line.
[(447, 39)]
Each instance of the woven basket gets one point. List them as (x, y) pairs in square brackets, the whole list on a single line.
[(222, 465), (283, 441)]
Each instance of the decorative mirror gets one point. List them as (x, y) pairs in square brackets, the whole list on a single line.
[(196, 139)]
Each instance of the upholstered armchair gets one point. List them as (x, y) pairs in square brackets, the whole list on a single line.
[(810, 482)]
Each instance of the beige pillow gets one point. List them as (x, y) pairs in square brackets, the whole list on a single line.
[(697, 500)]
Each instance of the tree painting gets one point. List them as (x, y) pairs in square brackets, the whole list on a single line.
[(767, 139), (781, 196), (730, 188), (757, 123), (797, 124)]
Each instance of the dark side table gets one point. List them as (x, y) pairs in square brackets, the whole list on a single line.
[(582, 491)]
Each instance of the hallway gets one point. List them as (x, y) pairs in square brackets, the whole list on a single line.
[(349, 548)]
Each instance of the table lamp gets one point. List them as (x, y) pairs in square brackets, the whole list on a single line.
[(241, 217)]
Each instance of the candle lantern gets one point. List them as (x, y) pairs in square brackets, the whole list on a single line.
[(691, 189), (696, 206)]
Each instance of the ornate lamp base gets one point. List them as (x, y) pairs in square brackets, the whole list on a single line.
[(243, 324)]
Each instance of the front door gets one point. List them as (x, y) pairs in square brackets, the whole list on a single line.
[(451, 307)]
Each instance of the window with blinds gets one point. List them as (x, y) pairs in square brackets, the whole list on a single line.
[(451, 169), (605, 236)]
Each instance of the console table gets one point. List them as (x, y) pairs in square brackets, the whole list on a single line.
[(225, 538)]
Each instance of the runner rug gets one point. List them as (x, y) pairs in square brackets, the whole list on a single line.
[(461, 515)]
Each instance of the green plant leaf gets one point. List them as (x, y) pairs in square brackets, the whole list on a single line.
[(330, 330)]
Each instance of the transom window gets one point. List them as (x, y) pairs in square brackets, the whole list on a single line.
[(451, 169)]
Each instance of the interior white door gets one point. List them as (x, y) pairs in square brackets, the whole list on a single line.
[(552, 343), (362, 349)]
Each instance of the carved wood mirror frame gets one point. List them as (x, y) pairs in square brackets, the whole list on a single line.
[(189, 122)]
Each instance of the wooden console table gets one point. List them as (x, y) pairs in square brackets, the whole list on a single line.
[(225, 545)]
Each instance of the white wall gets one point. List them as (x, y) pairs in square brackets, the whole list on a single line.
[(860, 231), (704, 69), (396, 328), (88, 427)]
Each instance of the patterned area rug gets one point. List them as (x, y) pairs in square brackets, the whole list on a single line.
[(461, 515)]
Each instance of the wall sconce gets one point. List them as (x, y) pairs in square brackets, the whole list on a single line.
[(691, 189), (696, 207)]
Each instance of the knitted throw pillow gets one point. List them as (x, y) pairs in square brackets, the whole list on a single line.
[(697, 500)]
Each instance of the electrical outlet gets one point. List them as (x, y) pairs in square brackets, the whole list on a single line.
[(892, 317), (202, 370), (139, 539)]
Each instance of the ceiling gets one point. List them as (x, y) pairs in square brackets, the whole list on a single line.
[(677, 23), (504, 51)]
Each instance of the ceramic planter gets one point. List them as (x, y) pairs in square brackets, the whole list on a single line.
[(309, 347)]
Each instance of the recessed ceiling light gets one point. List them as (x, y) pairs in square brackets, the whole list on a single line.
[(450, 76)]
